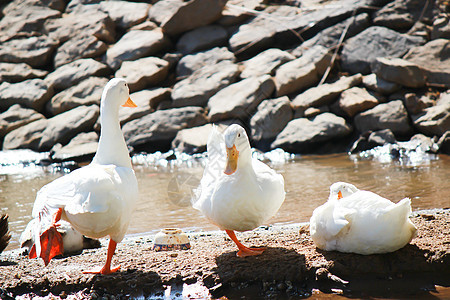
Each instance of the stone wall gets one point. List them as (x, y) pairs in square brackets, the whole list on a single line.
[(263, 64)]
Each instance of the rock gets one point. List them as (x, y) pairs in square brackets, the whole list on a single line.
[(326, 93), (144, 72), (15, 117), (82, 5), (74, 72), (382, 137), (35, 51), (193, 62), (379, 85), (303, 135), (444, 143), (391, 115), (441, 28), (145, 101), (81, 148), (311, 112), (197, 89), (17, 5), (302, 72), (88, 22), (403, 14), (32, 93), (270, 119), (158, 129), (178, 16), (82, 46), (361, 50), (265, 63), (147, 25), (399, 71), (125, 14), (239, 100), (355, 100), (434, 120), (41, 135), (434, 59), (87, 92), (415, 105), (145, 43), (19, 72), (236, 11), (201, 38)]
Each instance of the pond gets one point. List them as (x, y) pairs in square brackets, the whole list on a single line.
[(166, 182)]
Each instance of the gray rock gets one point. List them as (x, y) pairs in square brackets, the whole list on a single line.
[(362, 50), (178, 16), (415, 104), (201, 38), (81, 148), (144, 72), (444, 143), (311, 112), (83, 46), (15, 117), (32, 93), (434, 59), (145, 43), (379, 85), (17, 5), (382, 137), (203, 83), (399, 71), (41, 135), (193, 62), (142, 100), (270, 119), (265, 63), (82, 5), (236, 11), (158, 129), (239, 100), (302, 135), (125, 14), (391, 115), (326, 93), (19, 72), (74, 72), (302, 72), (87, 92), (441, 28), (35, 51), (355, 100), (434, 120)]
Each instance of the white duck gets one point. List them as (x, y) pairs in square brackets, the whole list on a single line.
[(237, 192), (361, 222), (97, 200)]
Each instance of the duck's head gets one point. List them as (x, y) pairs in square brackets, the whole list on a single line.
[(340, 190), (117, 91), (237, 144)]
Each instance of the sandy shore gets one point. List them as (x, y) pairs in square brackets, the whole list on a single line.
[(290, 267)]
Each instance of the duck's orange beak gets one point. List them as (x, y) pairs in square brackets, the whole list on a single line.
[(340, 195), (129, 103), (232, 159)]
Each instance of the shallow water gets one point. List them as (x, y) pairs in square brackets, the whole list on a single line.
[(166, 185)]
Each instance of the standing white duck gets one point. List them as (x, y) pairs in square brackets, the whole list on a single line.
[(361, 222), (98, 199), (237, 192)]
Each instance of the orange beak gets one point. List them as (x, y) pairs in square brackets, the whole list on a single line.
[(129, 103), (232, 159), (340, 195)]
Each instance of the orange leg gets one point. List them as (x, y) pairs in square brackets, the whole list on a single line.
[(106, 269), (51, 241), (243, 250)]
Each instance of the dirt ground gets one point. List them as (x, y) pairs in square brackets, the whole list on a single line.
[(291, 267)]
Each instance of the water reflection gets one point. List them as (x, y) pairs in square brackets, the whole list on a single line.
[(166, 181)]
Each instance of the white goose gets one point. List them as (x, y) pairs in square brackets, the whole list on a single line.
[(97, 199), (361, 222), (237, 192)]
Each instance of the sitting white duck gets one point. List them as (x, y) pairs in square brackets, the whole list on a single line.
[(361, 222), (237, 192), (98, 199)]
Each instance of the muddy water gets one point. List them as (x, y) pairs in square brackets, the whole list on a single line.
[(166, 186)]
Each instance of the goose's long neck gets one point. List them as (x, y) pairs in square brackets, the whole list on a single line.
[(112, 148)]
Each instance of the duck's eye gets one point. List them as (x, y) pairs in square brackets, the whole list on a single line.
[(239, 135)]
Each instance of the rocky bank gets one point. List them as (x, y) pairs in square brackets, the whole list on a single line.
[(305, 76)]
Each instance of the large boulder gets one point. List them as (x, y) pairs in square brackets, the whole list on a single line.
[(202, 38), (81, 46), (379, 85), (434, 120), (391, 115), (400, 71), (19, 72), (360, 51), (125, 14), (16, 117), (178, 16), (265, 63), (32, 93), (188, 64), (305, 135), (35, 51), (355, 100), (239, 100), (156, 131), (81, 148)]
